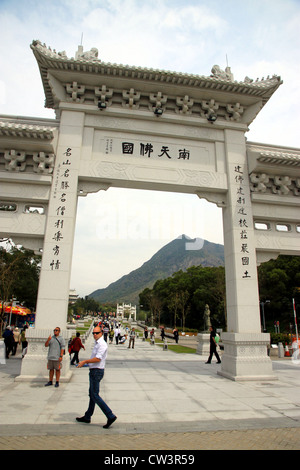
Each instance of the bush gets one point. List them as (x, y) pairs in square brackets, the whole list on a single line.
[(279, 338)]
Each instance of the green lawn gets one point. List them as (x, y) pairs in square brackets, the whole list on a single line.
[(175, 347), (181, 349)]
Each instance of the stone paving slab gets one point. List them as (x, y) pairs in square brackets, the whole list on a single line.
[(163, 400)]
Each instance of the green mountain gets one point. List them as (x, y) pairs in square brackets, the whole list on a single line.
[(179, 254)]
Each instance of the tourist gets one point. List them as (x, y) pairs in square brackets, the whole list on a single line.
[(132, 336), (8, 341), (16, 334), (97, 366), (213, 346), (176, 334), (75, 346), (111, 335), (56, 345), (146, 332), (162, 333), (152, 336), (117, 333), (24, 341), (105, 331)]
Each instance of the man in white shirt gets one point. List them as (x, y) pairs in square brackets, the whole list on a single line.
[(117, 334), (97, 366)]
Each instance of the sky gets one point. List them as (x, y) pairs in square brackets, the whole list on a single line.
[(119, 229)]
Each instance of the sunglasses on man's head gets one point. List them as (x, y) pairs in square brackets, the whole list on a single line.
[(96, 332)]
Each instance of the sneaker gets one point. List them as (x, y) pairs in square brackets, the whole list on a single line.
[(57, 384), (48, 384)]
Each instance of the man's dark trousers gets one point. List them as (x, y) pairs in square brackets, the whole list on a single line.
[(96, 376)]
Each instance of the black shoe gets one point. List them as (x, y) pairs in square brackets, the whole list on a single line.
[(219, 362), (109, 422), (56, 385), (83, 419), (208, 362), (48, 384)]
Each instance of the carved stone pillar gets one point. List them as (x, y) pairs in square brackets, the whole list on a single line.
[(54, 284), (245, 347)]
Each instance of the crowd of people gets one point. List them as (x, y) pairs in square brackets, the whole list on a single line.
[(13, 337), (102, 333)]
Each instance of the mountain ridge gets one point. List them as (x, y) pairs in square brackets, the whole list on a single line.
[(179, 254)]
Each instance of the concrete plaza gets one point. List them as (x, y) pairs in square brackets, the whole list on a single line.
[(163, 400)]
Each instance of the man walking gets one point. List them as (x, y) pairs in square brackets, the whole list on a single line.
[(213, 347), (56, 345), (131, 338), (97, 366)]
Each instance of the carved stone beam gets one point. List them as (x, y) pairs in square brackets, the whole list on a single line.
[(209, 107), (219, 199), (234, 111), (43, 162), (184, 105), (158, 101), (281, 185), (104, 96), (297, 187), (15, 160), (130, 98), (75, 90), (258, 182)]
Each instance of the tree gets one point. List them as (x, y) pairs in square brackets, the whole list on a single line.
[(183, 305), (184, 295), (173, 305), (278, 282), (19, 276)]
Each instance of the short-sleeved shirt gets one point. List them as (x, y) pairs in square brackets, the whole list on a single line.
[(56, 344), (99, 351)]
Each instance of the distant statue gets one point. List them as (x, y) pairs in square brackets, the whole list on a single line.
[(88, 55), (92, 54), (206, 317), (226, 74)]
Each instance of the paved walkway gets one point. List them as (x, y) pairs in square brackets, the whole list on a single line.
[(163, 400)]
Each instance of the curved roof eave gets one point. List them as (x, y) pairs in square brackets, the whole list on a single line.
[(51, 60)]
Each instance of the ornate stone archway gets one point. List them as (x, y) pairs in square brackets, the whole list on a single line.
[(121, 126)]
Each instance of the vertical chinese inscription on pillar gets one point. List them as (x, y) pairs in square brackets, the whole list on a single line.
[(61, 188), (242, 218)]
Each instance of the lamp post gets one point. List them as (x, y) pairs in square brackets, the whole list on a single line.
[(13, 303), (262, 304)]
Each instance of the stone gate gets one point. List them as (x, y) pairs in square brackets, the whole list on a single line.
[(131, 127)]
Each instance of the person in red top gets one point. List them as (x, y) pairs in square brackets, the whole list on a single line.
[(75, 346)]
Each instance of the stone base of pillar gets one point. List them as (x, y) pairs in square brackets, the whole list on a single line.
[(203, 344), (34, 364), (245, 357)]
